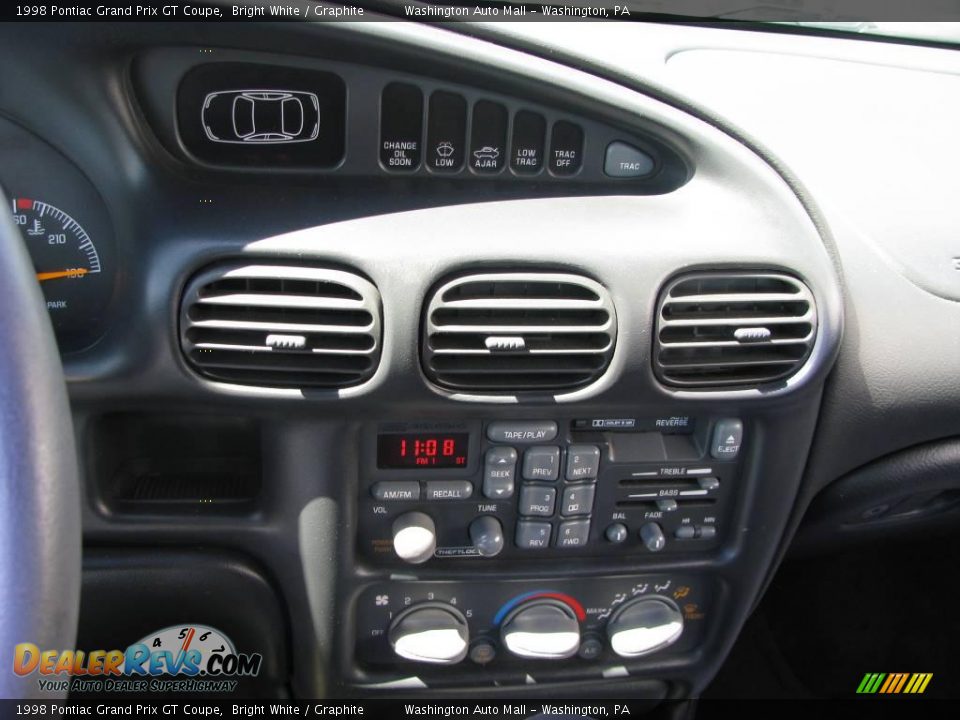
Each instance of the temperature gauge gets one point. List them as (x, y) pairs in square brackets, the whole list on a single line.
[(67, 229), (68, 267)]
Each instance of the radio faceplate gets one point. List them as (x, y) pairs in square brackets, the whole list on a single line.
[(546, 489)]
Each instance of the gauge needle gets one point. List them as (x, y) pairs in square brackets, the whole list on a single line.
[(56, 274)]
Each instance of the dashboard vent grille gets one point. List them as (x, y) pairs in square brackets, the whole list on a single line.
[(281, 326), (518, 331), (733, 329)]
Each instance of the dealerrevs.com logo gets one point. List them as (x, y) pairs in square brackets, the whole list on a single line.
[(180, 658)]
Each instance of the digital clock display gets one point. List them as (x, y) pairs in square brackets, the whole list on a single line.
[(422, 450)]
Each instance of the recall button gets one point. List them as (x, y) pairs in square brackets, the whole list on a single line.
[(449, 489)]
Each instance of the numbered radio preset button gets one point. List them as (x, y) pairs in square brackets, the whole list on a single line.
[(577, 500), (537, 500), (573, 534), (541, 462), (533, 535), (583, 462)]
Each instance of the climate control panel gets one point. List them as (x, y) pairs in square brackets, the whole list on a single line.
[(525, 624), (482, 491)]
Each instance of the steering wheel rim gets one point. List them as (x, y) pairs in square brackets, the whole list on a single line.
[(40, 536)]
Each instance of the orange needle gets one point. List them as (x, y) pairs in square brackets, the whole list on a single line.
[(56, 274)]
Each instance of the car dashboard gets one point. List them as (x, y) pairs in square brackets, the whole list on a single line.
[(428, 360)]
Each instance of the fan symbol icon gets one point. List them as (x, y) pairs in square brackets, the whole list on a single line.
[(445, 149)]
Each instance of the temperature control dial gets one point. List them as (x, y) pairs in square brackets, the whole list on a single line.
[(431, 633), (542, 629), (643, 626)]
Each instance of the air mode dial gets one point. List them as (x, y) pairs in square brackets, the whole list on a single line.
[(643, 626)]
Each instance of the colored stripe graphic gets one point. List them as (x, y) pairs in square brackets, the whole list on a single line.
[(894, 683)]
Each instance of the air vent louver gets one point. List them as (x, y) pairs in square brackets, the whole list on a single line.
[(281, 326), (512, 332), (733, 329)]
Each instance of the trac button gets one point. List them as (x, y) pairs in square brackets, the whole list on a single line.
[(626, 161)]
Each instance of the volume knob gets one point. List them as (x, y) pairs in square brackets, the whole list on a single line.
[(414, 537)]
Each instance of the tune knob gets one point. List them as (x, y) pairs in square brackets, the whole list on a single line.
[(431, 633), (486, 534), (414, 537), (643, 626), (544, 629)]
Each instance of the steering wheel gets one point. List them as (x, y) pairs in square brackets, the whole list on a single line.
[(39, 488)]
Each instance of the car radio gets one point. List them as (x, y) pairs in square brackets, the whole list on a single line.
[(547, 488)]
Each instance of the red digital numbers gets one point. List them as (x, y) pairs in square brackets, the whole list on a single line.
[(409, 450)]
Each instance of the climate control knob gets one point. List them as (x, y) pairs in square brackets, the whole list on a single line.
[(414, 537), (430, 632), (643, 626), (543, 629)]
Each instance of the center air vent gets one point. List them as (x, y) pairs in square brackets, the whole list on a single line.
[(281, 326), (518, 331), (733, 329)]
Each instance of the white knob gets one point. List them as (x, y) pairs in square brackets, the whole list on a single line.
[(432, 633), (414, 537), (643, 626), (544, 629)]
